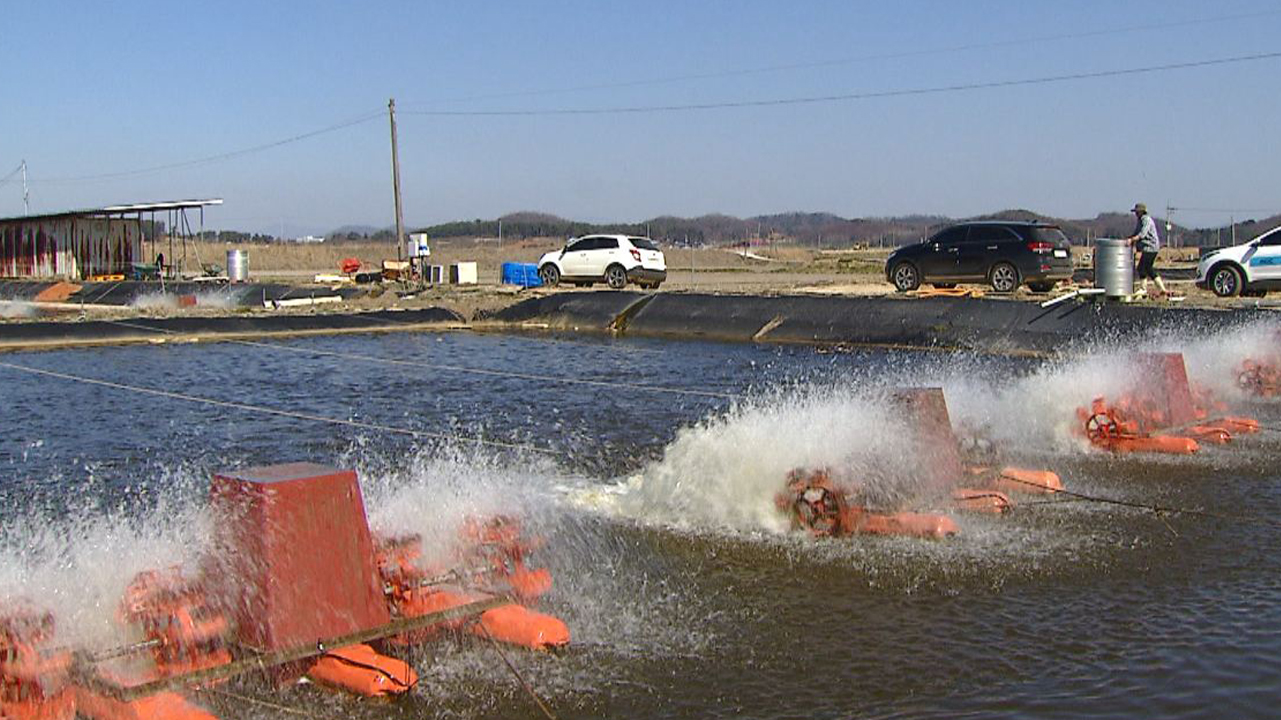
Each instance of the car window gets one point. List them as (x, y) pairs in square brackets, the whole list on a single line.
[(1050, 235), (951, 236), (587, 243), (1272, 238), (991, 234), (606, 243), (644, 243)]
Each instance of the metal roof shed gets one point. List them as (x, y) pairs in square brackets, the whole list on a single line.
[(79, 244)]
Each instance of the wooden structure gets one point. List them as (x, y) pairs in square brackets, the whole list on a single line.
[(81, 244)]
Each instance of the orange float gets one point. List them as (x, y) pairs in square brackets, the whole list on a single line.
[(981, 500), (360, 670), (166, 705), (1016, 479)]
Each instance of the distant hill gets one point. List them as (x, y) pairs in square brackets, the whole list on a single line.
[(815, 229), (353, 230)]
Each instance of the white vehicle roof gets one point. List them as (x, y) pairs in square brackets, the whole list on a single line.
[(610, 235)]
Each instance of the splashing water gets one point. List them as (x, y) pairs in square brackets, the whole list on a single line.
[(16, 309), (78, 562), (1037, 410), (726, 470), (165, 301), (78, 565)]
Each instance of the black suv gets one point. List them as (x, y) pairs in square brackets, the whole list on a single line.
[(1002, 254)]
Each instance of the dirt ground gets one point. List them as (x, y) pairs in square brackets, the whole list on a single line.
[(757, 271)]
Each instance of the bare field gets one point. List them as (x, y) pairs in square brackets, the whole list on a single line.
[(761, 270)]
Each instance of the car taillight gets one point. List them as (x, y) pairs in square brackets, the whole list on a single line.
[(635, 254), (1040, 247)]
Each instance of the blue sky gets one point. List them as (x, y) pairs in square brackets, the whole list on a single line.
[(96, 89)]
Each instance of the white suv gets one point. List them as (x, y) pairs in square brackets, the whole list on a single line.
[(1252, 268), (613, 259)]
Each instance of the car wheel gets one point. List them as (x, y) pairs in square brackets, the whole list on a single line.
[(1041, 287), (616, 277), (1004, 277), (906, 277), (944, 286), (1226, 281), (549, 275)]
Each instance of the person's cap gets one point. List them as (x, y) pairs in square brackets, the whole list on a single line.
[(1139, 208)]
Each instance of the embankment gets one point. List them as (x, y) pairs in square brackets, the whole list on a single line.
[(993, 325), (48, 335)]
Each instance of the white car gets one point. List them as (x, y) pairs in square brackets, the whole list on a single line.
[(613, 259), (1252, 268)]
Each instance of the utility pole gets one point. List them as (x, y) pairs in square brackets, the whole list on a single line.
[(395, 180), (26, 206), (500, 234), (693, 271)]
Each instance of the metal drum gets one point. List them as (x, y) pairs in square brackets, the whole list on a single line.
[(1113, 267), (238, 266)]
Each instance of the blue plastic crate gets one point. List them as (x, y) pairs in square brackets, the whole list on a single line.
[(523, 274)]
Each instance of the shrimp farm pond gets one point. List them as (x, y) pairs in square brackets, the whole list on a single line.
[(721, 529)]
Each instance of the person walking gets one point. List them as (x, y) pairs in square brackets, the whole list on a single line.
[(1147, 242)]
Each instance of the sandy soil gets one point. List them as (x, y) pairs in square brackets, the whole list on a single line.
[(765, 271)]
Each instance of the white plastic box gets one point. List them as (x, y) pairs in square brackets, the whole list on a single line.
[(463, 273)]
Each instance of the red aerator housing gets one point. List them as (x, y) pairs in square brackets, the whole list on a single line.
[(296, 554)]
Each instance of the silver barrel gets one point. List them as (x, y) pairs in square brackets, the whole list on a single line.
[(238, 265), (1114, 267)]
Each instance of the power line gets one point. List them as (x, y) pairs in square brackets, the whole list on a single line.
[(777, 102), (213, 158), (11, 175), (863, 58), (1226, 211)]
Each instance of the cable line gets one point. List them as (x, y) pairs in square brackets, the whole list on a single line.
[(11, 175), (273, 411), (1032, 40), (214, 158), (1156, 509), (1226, 211), (846, 97)]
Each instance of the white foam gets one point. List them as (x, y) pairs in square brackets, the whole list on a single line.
[(205, 299), (725, 471)]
